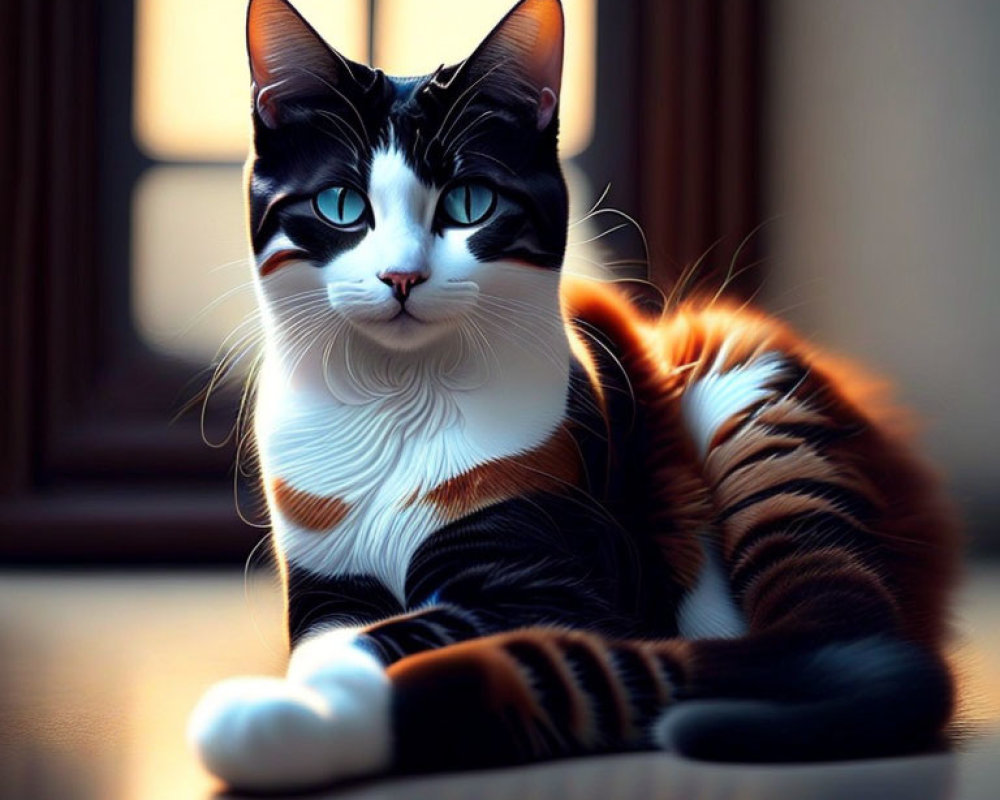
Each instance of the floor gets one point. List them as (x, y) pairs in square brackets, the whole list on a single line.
[(99, 670)]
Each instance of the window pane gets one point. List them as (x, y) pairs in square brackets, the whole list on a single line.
[(191, 275), (413, 37), (191, 78), (192, 86)]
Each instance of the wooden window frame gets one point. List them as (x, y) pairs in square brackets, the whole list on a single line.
[(92, 471)]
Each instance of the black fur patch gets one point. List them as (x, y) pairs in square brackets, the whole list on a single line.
[(345, 600)]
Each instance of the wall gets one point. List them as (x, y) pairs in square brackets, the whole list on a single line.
[(883, 174)]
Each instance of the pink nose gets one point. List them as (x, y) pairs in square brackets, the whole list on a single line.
[(402, 282)]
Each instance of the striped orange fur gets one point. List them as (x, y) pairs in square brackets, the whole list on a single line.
[(540, 692), (665, 354)]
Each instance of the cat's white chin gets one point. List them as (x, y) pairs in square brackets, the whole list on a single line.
[(405, 332)]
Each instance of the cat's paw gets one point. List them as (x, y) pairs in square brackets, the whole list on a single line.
[(329, 721)]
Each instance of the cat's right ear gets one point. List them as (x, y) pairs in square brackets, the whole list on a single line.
[(522, 58), (290, 61)]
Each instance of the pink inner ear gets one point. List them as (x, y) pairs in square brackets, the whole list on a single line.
[(546, 108), (267, 108)]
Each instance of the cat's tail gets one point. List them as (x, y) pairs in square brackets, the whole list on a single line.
[(543, 693), (873, 696)]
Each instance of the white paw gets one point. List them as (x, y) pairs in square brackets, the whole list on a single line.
[(329, 721)]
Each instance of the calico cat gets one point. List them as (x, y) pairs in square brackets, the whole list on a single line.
[(517, 517)]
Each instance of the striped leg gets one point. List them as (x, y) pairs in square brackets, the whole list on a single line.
[(797, 513), (500, 699), (807, 494), (508, 567), (529, 694), (330, 719)]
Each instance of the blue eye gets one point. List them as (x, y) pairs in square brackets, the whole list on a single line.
[(468, 203), (341, 205)]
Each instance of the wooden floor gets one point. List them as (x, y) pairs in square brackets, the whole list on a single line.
[(98, 672)]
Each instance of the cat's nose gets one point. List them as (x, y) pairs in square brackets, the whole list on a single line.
[(402, 282)]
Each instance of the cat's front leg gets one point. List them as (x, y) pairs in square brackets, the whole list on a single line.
[(328, 720), (336, 714)]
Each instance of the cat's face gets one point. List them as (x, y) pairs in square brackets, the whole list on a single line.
[(406, 209)]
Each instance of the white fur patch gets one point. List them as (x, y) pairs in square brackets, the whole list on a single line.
[(712, 400), (708, 611), (330, 720)]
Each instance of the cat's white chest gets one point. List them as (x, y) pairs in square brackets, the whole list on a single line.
[(372, 470), (346, 479)]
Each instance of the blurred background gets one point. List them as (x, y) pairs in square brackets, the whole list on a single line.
[(835, 162)]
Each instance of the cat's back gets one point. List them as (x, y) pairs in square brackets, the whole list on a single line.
[(722, 422)]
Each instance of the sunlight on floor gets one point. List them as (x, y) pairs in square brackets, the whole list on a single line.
[(100, 670)]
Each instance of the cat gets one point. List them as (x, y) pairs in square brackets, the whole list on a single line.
[(516, 516)]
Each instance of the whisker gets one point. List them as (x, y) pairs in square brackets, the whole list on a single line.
[(343, 97), (488, 157), (473, 88), (680, 287), (456, 140), (730, 274), (341, 123), (594, 207), (598, 236)]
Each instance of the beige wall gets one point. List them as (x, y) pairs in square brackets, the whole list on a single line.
[(883, 164)]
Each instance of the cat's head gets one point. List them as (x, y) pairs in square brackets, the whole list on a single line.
[(406, 208)]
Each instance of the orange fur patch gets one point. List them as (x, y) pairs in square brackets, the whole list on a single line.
[(306, 510), (277, 260), (503, 684), (491, 673), (553, 466)]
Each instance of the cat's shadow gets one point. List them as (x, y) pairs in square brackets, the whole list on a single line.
[(649, 776)]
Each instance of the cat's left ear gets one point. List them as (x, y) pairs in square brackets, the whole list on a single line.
[(290, 61), (523, 56)]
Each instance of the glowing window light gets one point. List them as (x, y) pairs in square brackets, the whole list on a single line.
[(191, 266), (413, 37), (191, 81), (192, 86)]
